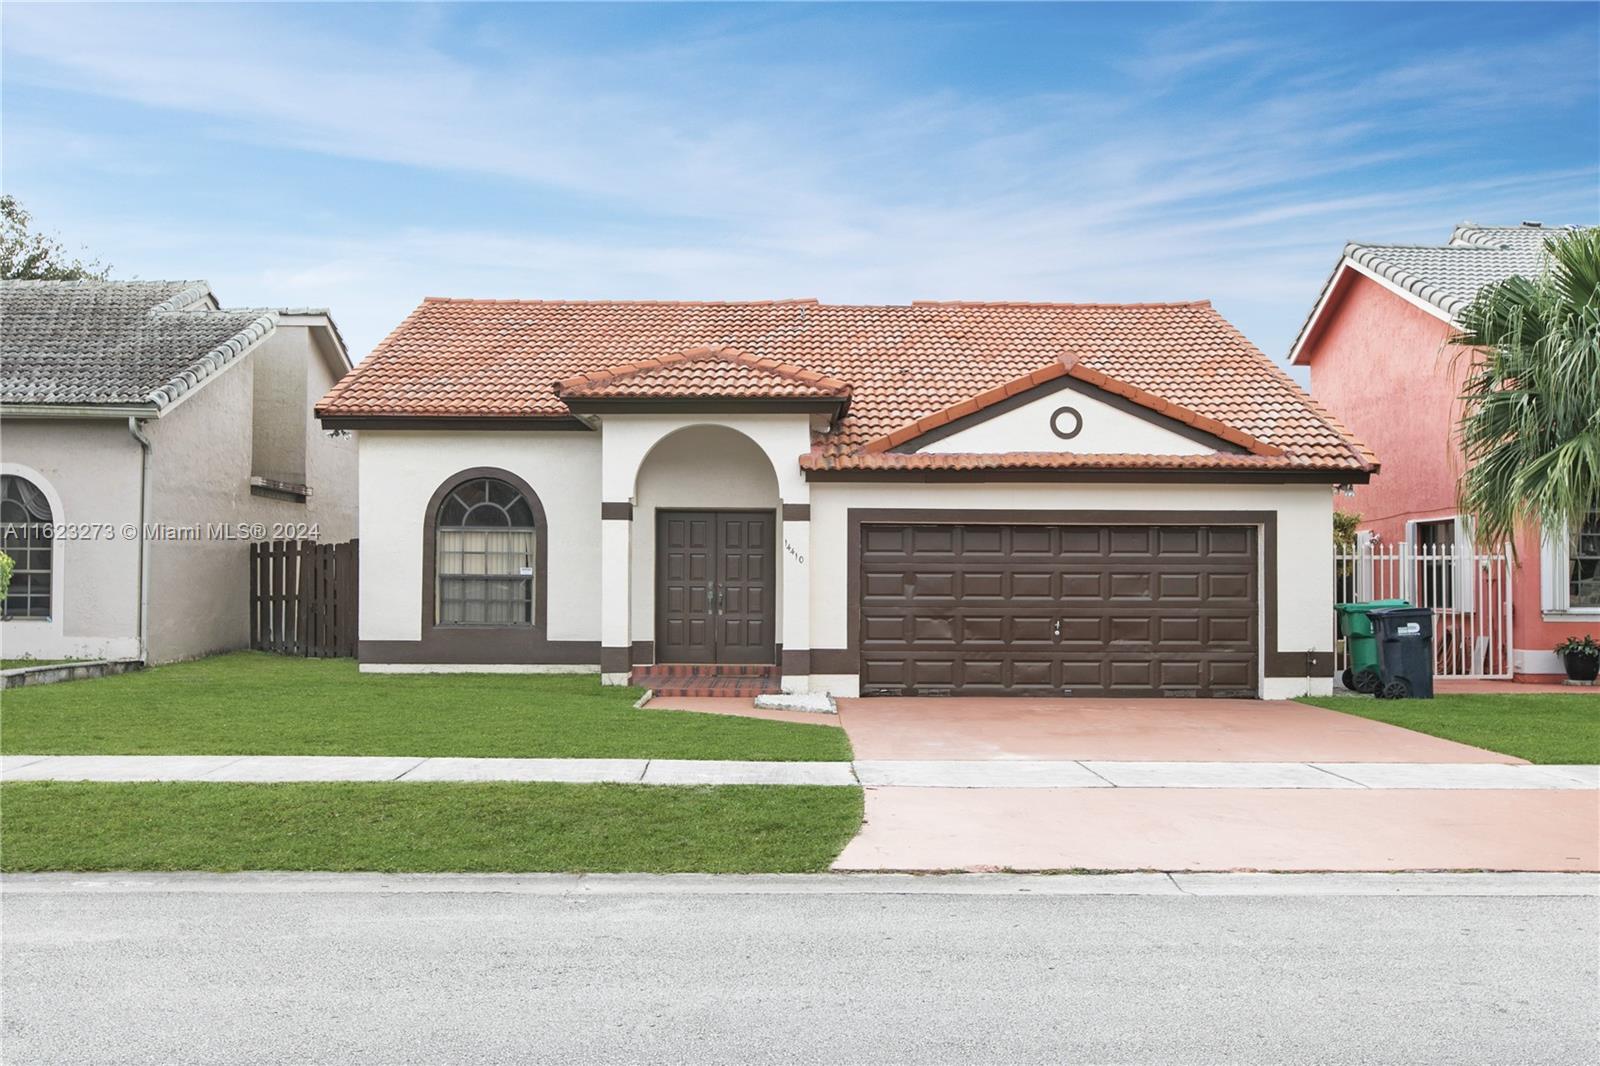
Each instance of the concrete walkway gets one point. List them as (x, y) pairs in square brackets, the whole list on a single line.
[(958, 774)]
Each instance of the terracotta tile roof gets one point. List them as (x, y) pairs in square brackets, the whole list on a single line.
[(708, 371), (904, 363), (1069, 366)]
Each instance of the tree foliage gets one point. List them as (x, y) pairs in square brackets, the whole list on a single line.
[(29, 256), (1530, 424), (1345, 524)]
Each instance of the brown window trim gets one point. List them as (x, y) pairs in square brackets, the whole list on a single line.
[(484, 643)]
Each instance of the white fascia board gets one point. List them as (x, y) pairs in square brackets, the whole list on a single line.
[(66, 411), (1410, 297), (1333, 286)]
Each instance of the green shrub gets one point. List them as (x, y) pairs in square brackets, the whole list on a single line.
[(7, 564)]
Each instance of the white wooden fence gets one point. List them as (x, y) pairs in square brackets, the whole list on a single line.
[(1470, 593)]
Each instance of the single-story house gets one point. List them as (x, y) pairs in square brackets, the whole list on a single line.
[(1377, 342), (973, 498), (149, 435)]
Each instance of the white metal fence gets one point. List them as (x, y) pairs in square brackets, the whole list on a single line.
[(1470, 593)]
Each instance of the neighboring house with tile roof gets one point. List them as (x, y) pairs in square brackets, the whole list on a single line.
[(147, 435), (973, 498), (1377, 342)]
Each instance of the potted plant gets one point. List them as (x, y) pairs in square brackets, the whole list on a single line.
[(1581, 656)]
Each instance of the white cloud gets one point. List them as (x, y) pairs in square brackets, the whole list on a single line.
[(725, 163)]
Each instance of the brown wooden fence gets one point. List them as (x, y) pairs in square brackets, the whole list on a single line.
[(303, 597)]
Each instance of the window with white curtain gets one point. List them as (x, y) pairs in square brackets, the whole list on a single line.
[(486, 541)]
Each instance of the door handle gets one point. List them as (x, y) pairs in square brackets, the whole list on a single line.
[(1057, 628)]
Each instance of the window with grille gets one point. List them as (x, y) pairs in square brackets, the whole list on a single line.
[(26, 521), (485, 540), (1583, 579), (1436, 546)]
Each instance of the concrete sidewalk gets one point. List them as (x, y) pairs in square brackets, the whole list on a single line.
[(957, 774)]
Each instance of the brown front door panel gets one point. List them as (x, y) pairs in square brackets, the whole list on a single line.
[(715, 584), (1059, 610)]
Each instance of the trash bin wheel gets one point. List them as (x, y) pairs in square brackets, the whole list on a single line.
[(1368, 682), (1348, 679), (1394, 690)]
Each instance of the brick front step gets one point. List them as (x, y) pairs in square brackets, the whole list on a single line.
[(678, 679), (706, 670)]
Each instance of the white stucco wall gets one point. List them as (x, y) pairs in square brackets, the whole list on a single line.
[(1107, 430), (701, 468), (1305, 554), (89, 471), (400, 471)]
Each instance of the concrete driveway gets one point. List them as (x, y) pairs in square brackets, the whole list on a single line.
[(1135, 731), (1223, 828)]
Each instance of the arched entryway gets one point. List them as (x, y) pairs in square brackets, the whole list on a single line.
[(705, 575)]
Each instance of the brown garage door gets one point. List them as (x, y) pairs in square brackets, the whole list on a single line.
[(1058, 610)]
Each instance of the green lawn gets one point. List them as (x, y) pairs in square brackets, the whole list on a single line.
[(251, 703), (51, 825), (1541, 727)]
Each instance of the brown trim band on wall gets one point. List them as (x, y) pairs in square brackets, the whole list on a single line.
[(795, 663), (467, 645), (559, 423), (644, 652), (1082, 388), (484, 644), (797, 512), (615, 511), (1292, 663), (616, 660)]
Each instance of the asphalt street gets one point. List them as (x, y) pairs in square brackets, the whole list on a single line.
[(354, 971)]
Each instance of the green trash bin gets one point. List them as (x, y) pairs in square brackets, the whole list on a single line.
[(1361, 673)]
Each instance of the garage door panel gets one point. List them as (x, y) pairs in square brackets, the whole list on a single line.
[(986, 673), (1176, 587), (1236, 587), (1130, 628), (982, 629), (1131, 540), (1176, 630), (973, 584), (1037, 540), (934, 540), (1235, 541), (1126, 586), (1179, 540), (1231, 629), (1033, 629), (1178, 673), (982, 540), (1237, 674), (1076, 585), (997, 609)]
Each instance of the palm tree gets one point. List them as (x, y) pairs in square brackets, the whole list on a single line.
[(1530, 426)]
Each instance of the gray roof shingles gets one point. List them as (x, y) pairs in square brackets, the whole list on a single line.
[(1448, 276), (116, 342)]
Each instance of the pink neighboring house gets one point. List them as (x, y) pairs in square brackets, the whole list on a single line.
[(1377, 345)]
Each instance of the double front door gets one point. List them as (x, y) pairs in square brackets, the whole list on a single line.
[(715, 584)]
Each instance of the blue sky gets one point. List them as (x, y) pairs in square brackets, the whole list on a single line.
[(362, 157)]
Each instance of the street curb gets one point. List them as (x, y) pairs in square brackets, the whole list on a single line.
[(1142, 883)]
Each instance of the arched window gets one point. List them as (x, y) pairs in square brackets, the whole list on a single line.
[(487, 545), (25, 518)]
